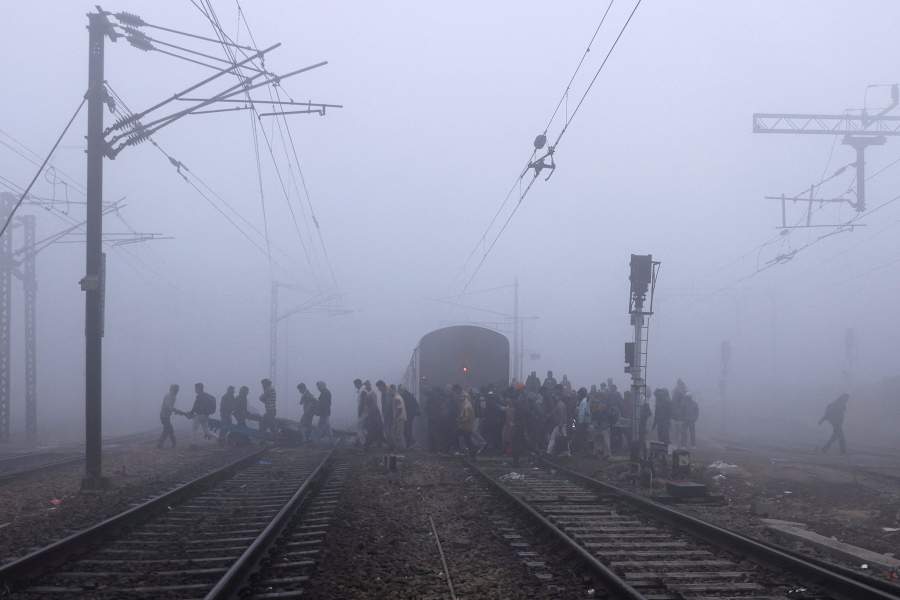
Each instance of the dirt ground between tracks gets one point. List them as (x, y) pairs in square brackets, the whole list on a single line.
[(381, 543), (47, 506), (853, 498)]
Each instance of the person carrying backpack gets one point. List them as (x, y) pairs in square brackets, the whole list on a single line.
[(204, 406), (834, 414)]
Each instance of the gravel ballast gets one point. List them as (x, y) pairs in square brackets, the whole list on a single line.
[(381, 544), (46, 506)]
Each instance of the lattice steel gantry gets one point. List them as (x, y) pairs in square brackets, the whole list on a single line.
[(6, 271), (29, 285), (859, 130)]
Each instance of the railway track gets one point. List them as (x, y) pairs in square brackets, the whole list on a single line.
[(17, 466), (253, 527), (21, 465), (641, 549)]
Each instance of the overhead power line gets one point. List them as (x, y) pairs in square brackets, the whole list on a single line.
[(41, 168), (121, 109), (285, 137), (539, 164)]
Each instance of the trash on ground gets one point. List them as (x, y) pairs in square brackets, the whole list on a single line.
[(721, 465), (512, 476)]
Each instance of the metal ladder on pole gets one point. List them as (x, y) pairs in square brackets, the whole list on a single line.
[(642, 359)]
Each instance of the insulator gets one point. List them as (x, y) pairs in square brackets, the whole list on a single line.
[(140, 42), (139, 136), (127, 18), (123, 122)]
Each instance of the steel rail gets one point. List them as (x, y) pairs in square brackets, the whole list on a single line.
[(14, 574), (232, 581), (881, 584), (440, 548), (834, 580), (12, 475), (620, 587), (26, 470)]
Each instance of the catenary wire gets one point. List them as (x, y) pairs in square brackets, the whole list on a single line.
[(559, 137), (41, 167)]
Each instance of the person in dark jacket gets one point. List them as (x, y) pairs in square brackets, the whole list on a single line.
[(240, 406), (269, 404), (204, 406), (533, 382), (662, 415), (323, 411), (226, 410), (412, 411), (645, 414), (435, 406), (308, 411), (834, 414)]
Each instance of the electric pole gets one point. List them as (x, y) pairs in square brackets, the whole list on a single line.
[(29, 285), (320, 303), (92, 284), (725, 360), (132, 129), (517, 326), (6, 269), (22, 263)]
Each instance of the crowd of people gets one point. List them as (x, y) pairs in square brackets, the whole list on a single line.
[(234, 413), (385, 415), (554, 417), (550, 416)]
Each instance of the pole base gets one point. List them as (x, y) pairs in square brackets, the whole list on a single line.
[(95, 483)]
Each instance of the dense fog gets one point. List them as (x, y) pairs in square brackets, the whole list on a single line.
[(441, 102)]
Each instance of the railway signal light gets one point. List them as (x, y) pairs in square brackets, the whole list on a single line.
[(629, 356), (641, 273)]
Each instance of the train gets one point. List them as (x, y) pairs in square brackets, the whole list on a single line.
[(468, 355)]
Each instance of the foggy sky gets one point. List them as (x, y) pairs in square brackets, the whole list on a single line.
[(442, 102)]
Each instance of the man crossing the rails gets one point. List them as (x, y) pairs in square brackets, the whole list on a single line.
[(204, 406), (268, 400)]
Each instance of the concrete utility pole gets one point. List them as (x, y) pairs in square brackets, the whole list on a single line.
[(517, 326), (132, 129), (92, 284)]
